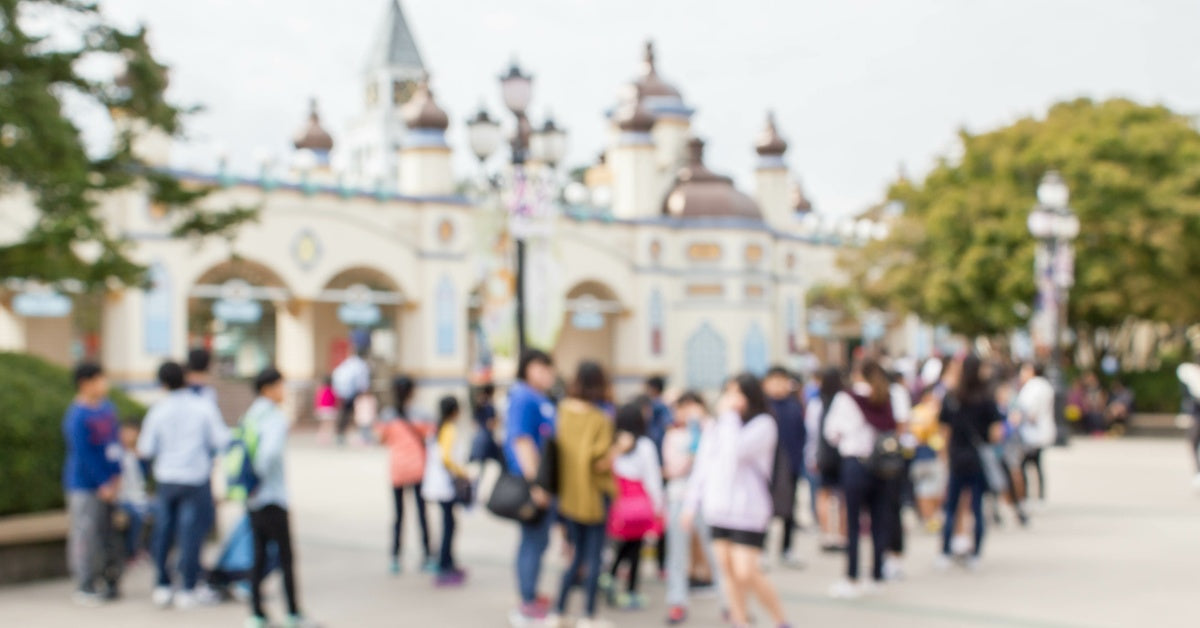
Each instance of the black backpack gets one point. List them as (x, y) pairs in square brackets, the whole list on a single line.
[(829, 461)]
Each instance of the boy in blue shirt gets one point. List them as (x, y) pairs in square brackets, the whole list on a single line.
[(530, 425), (92, 480)]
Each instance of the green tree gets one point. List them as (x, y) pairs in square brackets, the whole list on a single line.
[(961, 254), (43, 154)]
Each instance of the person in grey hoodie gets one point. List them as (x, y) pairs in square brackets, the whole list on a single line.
[(267, 503), (731, 487)]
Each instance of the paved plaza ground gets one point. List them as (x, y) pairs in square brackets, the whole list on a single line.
[(1118, 545)]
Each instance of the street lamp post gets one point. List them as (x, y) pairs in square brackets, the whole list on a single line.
[(546, 146), (1055, 227)]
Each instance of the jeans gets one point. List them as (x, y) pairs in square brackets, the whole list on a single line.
[(183, 515), (484, 447), (270, 525), (789, 523), (445, 559), (589, 549), (863, 489), (135, 514), (535, 538), (679, 553), (959, 482), (398, 524), (93, 543), (629, 552)]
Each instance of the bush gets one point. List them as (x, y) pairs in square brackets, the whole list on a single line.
[(1156, 391), (34, 395)]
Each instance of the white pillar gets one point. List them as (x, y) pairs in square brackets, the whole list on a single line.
[(295, 342), (634, 177), (771, 190)]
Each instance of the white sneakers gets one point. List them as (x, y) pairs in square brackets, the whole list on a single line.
[(186, 600), (845, 590), (960, 545), (161, 596), (893, 568)]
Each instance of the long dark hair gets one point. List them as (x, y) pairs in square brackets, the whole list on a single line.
[(831, 385), (447, 411), (972, 388), (756, 400), (591, 383), (630, 418), (877, 378), (403, 388)]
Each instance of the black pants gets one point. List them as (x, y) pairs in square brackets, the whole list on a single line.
[(628, 552), (270, 525), (446, 559), (344, 418), (862, 489), (789, 523), (894, 491), (398, 525), (1034, 458)]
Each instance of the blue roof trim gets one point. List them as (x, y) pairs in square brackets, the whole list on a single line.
[(425, 138), (600, 215), (259, 182)]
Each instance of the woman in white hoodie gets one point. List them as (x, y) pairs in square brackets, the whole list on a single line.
[(731, 487)]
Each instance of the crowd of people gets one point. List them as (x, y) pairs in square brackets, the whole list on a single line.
[(698, 483)]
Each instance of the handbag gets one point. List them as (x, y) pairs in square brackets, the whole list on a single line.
[(887, 456), (464, 491), (632, 515), (510, 499), (829, 460)]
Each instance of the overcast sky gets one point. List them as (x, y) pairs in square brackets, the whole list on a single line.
[(859, 86)]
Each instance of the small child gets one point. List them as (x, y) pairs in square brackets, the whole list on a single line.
[(92, 480), (639, 487), (442, 479), (325, 404), (680, 445), (366, 413), (132, 500), (405, 439)]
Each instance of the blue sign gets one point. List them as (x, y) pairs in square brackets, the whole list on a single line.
[(359, 314), (237, 311), (586, 319), (41, 304)]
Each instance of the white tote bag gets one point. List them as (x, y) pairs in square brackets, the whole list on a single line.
[(437, 485)]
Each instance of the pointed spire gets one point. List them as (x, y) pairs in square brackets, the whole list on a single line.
[(800, 202), (312, 135), (394, 46), (632, 116), (650, 84), (769, 141)]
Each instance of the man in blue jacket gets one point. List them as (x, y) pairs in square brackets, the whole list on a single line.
[(91, 479), (789, 416)]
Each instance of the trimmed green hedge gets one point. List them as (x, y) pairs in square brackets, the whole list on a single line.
[(1155, 391), (34, 395)]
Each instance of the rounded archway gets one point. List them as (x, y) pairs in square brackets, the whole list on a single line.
[(589, 331), (359, 308), (231, 312)]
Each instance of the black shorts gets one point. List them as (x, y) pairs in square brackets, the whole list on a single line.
[(757, 540)]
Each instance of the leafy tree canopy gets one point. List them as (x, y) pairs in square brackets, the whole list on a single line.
[(43, 154), (961, 253)]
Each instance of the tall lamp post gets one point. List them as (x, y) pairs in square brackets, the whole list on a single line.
[(546, 146), (1055, 227)]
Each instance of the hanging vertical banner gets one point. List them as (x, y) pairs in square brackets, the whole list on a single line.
[(156, 307)]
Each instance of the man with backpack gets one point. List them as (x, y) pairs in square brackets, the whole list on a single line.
[(351, 378), (262, 440)]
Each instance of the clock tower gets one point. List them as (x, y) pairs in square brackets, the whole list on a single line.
[(390, 78)]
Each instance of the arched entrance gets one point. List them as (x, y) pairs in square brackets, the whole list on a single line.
[(231, 311), (363, 303), (589, 329)]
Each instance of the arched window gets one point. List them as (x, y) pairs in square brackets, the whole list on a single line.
[(656, 323), (754, 350), (446, 319), (706, 368)]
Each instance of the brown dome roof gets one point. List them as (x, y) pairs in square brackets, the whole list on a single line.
[(312, 136), (421, 112), (650, 84), (800, 202), (769, 143), (701, 193), (632, 116)]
